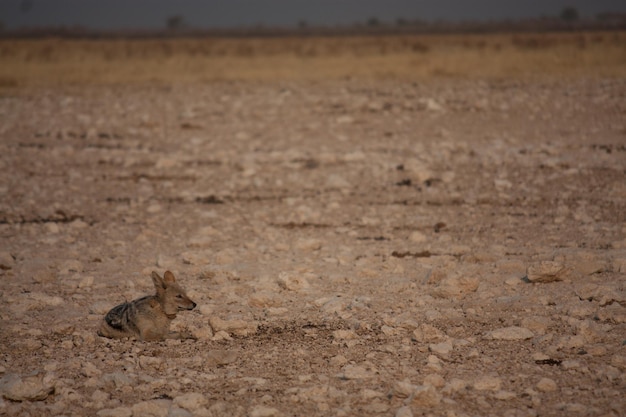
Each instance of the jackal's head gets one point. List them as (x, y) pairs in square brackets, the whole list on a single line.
[(170, 295)]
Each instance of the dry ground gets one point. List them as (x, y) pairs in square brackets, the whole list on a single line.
[(392, 244)]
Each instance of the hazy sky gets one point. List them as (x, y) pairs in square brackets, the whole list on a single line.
[(114, 14)]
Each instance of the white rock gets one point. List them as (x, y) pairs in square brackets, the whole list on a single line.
[(28, 388), (292, 281), (152, 408), (118, 379), (39, 270), (435, 380), (403, 389), (455, 385), (504, 395), (546, 385), (115, 412), (510, 333), (456, 287), (264, 411), (417, 237), (487, 383), (584, 262), (355, 372), (547, 271), (619, 361), (345, 335), (442, 349), (181, 412), (308, 244), (6, 260), (191, 401), (404, 411), (425, 396)]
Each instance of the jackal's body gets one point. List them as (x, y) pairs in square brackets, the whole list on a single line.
[(149, 317)]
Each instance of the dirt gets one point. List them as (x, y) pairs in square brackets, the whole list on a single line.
[(363, 246)]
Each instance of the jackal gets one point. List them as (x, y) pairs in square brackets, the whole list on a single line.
[(149, 317)]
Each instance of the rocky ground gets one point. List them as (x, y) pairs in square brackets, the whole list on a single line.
[(355, 248)]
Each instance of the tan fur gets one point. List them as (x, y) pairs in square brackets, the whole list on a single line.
[(149, 318)]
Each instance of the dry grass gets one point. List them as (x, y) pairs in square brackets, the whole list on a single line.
[(53, 62)]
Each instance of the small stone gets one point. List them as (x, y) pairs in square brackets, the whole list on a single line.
[(100, 307), (546, 271), (456, 287), (504, 395), (455, 385), (442, 349), (220, 357), (417, 237), (86, 282), (510, 333), (345, 335), (487, 383), (355, 372), (28, 388), (425, 396), (404, 411), (118, 379), (264, 411), (151, 408), (403, 389), (115, 412), (308, 244), (292, 281), (39, 270), (90, 370), (191, 401), (6, 260), (619, 361), (546, 385), (435, 380)]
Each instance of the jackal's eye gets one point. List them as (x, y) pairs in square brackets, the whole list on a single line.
[(179, 296)]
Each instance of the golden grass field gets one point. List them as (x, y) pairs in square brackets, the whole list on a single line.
[(53, 62)]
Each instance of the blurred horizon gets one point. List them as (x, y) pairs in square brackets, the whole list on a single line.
[(223, 14)]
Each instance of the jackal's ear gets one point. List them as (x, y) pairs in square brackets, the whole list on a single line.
[(158, 281), (169, 277)]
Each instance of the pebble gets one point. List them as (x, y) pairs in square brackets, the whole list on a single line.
[(152, 408), (435, 380), (404, 411), (355, 372), (39, 270), (487, 383), (583, 262), (308, 244), (417, 237), (403, 389), (510, 333), (442, 349), (31, 387), (115, 412), (546, 385), (118, 379), (191, 401), (547, 271), (504, 395), (264, 411), (345, 335), (6, 260), (292, 281), (455, 385), (425, 396), (456, 287)]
